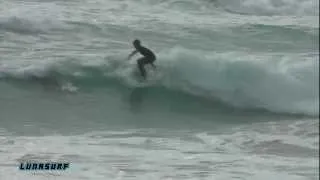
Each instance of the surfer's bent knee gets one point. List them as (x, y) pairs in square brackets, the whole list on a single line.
[(146, 60)]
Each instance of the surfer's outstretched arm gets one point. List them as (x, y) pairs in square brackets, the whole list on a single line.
[(133, 53)]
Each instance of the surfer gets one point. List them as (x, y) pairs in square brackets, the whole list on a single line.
[(148, 57)]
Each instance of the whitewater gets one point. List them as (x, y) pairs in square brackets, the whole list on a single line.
[(235, 94)]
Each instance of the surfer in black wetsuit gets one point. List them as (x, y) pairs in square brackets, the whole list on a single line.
[(148, 57)]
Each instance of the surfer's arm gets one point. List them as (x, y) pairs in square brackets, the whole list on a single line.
[(133, 53)]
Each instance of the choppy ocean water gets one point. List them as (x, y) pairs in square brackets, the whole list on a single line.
[(235, 94)]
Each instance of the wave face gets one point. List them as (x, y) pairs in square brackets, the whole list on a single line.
[(248, 54)]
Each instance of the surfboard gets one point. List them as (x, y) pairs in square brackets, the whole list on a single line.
[(137, 75), (131, 75), (139, 81)]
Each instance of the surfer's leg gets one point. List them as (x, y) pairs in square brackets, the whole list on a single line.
[(141, 62), (151, 61)]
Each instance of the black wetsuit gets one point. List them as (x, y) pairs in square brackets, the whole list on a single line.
[(148, 58)]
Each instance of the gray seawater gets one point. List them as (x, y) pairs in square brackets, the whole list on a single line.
[(235, 94)]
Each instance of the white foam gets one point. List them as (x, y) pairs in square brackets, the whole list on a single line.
[(281, 83), (135, 153)]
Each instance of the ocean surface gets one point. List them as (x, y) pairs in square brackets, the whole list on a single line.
[(235, 94)]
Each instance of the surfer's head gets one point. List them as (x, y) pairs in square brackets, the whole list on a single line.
[(136, 43)]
